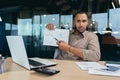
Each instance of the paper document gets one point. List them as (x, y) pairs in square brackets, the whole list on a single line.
[(113, 70), (90, 65), (104, 72), (98, 69), (51, 36)]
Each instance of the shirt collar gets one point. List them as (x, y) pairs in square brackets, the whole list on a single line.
[(81, 34), (84, 33)]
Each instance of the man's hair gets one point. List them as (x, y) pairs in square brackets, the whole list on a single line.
[(80, 12)]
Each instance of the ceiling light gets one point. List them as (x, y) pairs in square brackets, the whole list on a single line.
[(119, 2), (0, 19), (113, 5)]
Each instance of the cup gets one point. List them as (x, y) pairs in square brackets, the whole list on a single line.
[(2, 65)]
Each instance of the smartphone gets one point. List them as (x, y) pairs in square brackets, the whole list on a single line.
[(47, 71)]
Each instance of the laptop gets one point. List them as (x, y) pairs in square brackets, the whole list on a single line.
[(19, 55)]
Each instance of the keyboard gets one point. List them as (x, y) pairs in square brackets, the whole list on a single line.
[(35, 63)]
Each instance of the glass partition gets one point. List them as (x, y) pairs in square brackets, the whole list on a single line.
[(25, 27), (109, 33), (115, 22), (66, 21), (101, 19)]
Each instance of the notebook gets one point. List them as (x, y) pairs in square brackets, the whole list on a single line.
[(19, 55)]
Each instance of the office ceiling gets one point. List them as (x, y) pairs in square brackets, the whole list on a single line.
[(58, 6)]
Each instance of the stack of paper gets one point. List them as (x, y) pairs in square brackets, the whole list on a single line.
[(106, 73), (90, 65), (98, 69)]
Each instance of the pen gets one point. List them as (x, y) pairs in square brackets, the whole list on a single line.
[(56, 39)]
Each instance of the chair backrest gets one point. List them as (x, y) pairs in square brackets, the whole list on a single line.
[(109, 40)]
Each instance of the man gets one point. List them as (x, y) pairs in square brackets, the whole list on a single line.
[(83, 45)]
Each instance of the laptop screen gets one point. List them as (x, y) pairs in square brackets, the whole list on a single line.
[(17, 50)]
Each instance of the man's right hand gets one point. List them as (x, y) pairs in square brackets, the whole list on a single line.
[(50, 26)]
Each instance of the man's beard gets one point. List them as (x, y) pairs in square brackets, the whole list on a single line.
[(77, 31)]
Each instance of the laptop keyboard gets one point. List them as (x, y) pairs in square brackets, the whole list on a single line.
[(35, 63)]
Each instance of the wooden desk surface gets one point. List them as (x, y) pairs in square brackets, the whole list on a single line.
[(68, 71)]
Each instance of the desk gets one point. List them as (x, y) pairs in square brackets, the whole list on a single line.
[(68, 71)]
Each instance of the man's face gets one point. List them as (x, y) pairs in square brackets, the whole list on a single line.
[(81, 22)]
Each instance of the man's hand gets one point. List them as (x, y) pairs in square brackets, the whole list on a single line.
[(63, 46), (50, 26)]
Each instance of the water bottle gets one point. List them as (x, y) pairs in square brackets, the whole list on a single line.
[(2, 64)]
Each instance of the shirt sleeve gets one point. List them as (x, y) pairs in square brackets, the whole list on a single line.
[(92, 53)]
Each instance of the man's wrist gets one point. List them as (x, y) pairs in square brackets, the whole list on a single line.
[(69, 49)]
